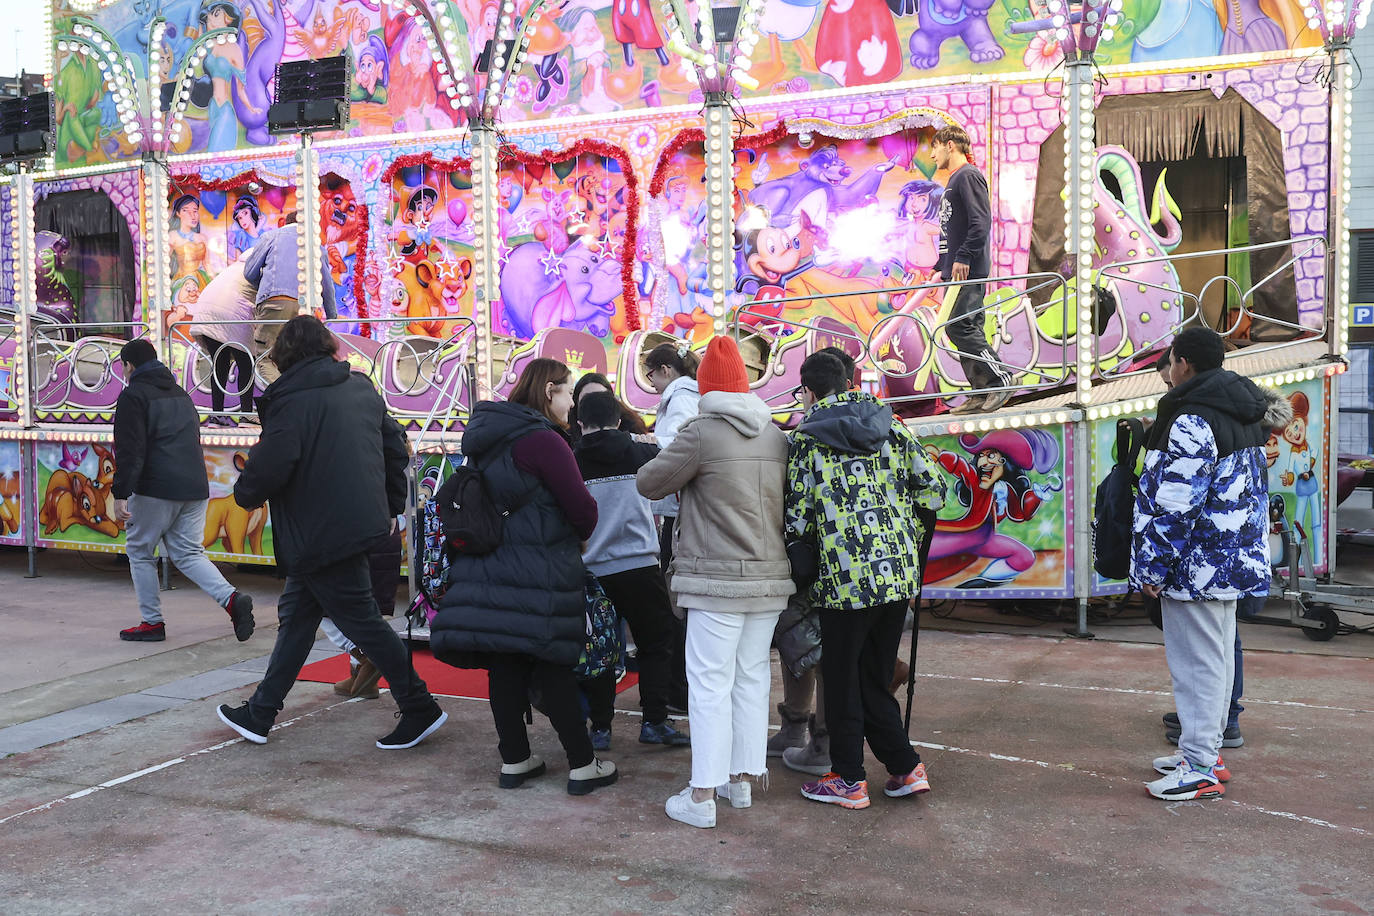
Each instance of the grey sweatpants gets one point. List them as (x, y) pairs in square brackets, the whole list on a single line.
[(181, 526), (1199, 643)]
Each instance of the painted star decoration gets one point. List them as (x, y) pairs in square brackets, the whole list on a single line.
[(394, 262), (448, 267), (553, 264), (523, 224), (503, 255)]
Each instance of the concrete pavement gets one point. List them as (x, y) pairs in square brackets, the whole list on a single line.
[(1037, 746)]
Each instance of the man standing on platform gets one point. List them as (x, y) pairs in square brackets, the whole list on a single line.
[(160, 488), (965, 224), (274, 267), (1200, 543)]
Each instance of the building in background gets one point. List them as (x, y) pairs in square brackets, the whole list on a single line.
[(11, 87)]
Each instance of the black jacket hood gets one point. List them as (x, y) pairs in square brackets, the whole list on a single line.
[(154, 373), (851, 422), (606, 446), (1221, 390), (317, 372), (494, 422)]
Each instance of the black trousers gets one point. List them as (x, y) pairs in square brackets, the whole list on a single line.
[(858, 654), (965, 331), (510, 678), (677, 684), (641, 598), (599, 692), (224, 358), (343, 591)]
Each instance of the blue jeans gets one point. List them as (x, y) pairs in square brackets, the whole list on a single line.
[(1246, 606)]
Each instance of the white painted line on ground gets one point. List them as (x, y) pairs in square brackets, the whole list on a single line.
[(157, 767), (1126, 690)]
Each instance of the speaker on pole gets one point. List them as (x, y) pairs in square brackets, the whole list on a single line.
[(311, 95), (27, 127)]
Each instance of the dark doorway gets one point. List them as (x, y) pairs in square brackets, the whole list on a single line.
[(100, 262)]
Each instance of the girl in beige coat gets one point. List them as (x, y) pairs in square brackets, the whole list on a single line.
[(730, 572)]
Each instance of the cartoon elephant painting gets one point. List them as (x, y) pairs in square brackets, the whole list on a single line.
[(541, 289)]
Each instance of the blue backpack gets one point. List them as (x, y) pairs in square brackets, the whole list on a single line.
[(1114, 509)]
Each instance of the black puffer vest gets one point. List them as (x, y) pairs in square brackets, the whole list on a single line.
[(528, 595)]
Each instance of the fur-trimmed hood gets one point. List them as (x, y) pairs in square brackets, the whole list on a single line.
[(1278, 411)]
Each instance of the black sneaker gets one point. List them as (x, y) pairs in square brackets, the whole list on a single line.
[(414, 728), (1171, 721), (240, 611), (241, 720), (1229, 738)]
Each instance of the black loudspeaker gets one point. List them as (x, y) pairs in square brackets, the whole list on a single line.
[(311, 95), (26, 127), (483, 63), (724, 20)]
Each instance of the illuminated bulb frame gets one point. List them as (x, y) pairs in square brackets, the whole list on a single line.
[(116, 70), (181, 97), (501, 82), (453, 80), (719, 210)]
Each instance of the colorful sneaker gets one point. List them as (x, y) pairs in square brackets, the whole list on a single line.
[(1174, 761), (1187, 782), (145, 632), (601, 739), (913, 783), (832, 790), (240, 611)]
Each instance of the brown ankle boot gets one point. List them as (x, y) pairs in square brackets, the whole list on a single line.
[(365, 679)]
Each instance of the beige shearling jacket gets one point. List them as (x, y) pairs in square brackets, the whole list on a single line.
[(730, 465)]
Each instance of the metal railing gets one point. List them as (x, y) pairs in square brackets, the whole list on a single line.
[(934, 340), (420, 377), (89, 362), (1190, 304)]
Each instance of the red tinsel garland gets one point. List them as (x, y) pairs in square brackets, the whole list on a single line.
[(182, 183), (622, 158), (359, 269), (690, 135), (427, 160)]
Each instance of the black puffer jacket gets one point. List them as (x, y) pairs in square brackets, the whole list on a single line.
[(331, 465), (528, 595), (157, 439)]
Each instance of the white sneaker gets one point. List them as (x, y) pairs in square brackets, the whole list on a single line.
[(1184, 783), (680, 807), (1173, 761), (740, 794)]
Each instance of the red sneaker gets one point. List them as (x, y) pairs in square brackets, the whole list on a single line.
[(145, 632), (833, 790)]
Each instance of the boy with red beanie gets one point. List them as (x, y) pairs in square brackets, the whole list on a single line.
[(730, 571)]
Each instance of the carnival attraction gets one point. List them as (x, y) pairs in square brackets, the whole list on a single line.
[(587, 179)]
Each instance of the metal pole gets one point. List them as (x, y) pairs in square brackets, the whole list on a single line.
[(157, 285), (21, 379), (487, 270), (720, 184), (1080, 164), (1338, 287), (308, 216)]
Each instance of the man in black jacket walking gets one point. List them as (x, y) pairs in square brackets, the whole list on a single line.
[(160, 488), (331, 463)]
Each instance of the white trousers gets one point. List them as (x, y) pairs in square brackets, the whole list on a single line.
[(728, 672)]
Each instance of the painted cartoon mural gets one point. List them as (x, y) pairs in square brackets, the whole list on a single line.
[(11, 491), (1298, 494), (586, 56), (76, 505), (1003, 525)]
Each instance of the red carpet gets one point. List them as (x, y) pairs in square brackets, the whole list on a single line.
[(441, 679)]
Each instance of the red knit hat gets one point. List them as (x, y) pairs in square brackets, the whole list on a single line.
[(722, 368)]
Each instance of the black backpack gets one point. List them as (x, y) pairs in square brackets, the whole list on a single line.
[(471, 521), (1115, 507)]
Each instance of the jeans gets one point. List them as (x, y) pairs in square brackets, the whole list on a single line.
[(345, 589), (641, 599), (1199, 643), (728, 673), (858, 656), (181, 526), (510, 678), (274, 311), (965, 331)]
